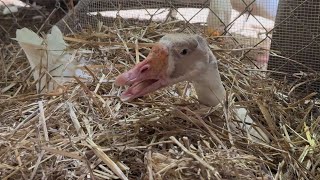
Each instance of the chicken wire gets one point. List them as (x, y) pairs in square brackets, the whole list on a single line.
[(132, 12), (295, 36), (38, 16), (88, 13), (296, 44), (246, 23)]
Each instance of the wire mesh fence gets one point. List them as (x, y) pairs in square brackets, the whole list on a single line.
[(296, 45), (248, 22), (15, 14)]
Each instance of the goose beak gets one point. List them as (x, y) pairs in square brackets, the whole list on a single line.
[(146, 76)]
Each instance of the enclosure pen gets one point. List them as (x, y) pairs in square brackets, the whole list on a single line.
[(83, 130)]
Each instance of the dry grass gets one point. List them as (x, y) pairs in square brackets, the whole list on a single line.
[(88, 132)]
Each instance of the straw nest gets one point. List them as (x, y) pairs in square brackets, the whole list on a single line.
[(87, 132)]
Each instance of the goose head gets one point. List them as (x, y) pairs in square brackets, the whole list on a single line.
[(175, 58)]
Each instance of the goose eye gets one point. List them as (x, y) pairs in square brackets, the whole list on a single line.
[(184, 52)]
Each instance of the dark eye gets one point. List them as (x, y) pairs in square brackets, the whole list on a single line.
[(184, 52)]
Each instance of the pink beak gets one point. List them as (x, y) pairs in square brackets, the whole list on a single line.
[(146, 76)]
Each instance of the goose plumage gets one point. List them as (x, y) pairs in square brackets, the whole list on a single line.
[(176, 58)]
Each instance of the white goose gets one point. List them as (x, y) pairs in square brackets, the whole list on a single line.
[(264, 8), (182, 57), (220, 12), (219, 16)]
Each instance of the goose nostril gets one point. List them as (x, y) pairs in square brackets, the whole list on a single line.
[(144, 69)]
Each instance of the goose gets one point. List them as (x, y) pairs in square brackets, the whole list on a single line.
[(219, 15), (11, 6), (12, 2), (182, 57), (264, 8)]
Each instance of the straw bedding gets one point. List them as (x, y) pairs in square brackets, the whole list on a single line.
[(87, 132)]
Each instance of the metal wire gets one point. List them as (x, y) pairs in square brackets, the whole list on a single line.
[(294, 37)]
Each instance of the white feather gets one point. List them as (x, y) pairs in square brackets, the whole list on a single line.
[(248, 125), (50, 58)]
